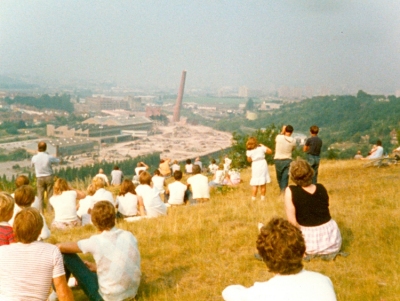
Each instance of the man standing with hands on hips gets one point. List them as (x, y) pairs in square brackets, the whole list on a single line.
[(284, 146), (44, 173)]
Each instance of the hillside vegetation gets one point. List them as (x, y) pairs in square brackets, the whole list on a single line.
[(196, 251)]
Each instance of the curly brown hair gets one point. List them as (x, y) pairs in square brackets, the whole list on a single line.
[(103, 215), (251, 143), (301, 172), (282, 247)]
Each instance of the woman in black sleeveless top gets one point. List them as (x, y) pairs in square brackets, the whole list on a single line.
[(307, 207)]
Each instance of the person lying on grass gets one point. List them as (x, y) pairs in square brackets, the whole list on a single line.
[(281, 246), (116, 274)]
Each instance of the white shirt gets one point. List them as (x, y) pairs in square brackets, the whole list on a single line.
[(138, 169), (176, 193), (213, 168), (127, 204), (84, 206), (103, 195), (42, 162), (27, 270), (152, 202), (303, 286), (118, 263), (175, 167), (116, 177), (284, 147), (64, 205), (189, 168), (158, 183), (102, 176), (199, 186), (377, 154)]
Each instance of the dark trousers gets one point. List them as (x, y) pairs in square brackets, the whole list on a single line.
[(282, 172), (314, 162)]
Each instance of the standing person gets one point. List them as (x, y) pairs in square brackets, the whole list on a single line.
[(43, 162), (116, 176), (115, 275), (259, 168), (29, 267), (313, 149), (103, 176), (307, 207), (284, 146), (281, 246)]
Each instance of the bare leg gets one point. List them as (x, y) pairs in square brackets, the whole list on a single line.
[(254, 190), (263, 189)]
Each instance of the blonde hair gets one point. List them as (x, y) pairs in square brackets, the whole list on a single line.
[(98, 183), (60, 185), (28, 224), (91, 190), (6, 206)]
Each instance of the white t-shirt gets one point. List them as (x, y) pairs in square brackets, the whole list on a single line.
[(189, 168), (213, 168), (377, 154), (158, 183), (84, 206), (219, 176), (127, 204), (64, 206), (102, 176), (284, 147), (27, 270), (118, 263), (138, 169), (176, 193), (199, 186), (175, 167), (303, 286), (152, 202), (116, 177), (103, 195)]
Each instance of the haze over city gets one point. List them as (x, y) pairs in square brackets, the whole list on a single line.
[(342, 45)]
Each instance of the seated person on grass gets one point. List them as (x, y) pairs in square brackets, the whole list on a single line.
[(116, 273), (199, 186), (282, 247), (127, 201), (176, 193), (6, 212), (219, 177), (24, 197), (24, 180), (376, 152), (28, 267)]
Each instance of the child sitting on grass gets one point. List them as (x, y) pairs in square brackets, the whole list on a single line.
[(6, 213), (150, 197), (116, 273), (176, 193)]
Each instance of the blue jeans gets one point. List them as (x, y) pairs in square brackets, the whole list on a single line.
[(282, 172), (314, 162), (87, 279)]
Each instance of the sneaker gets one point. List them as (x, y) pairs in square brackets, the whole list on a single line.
[(72, 282), (262, 198), (53, 296), (253, 198)]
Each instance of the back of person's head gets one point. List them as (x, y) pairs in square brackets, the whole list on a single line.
[(314, 129), (6, 206), (21, 180), (139, 164), (175, 162), (196, 169), (282, 247), (116, 167), (145, 178), (162, 161), (301, 172), (379, 142), (42, 146), (24, 196), (103, 215), (221, 166), (60, 186), (251, 143), (98, 183), (91, 190), (289, 129), (157, 172), (28, 224), (213, 161), (188, 161), (127, 186), (177, 175), (101, 170)]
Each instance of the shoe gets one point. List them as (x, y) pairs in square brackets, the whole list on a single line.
[(253, 198), (72, 282), (53, 296), (262, 198)]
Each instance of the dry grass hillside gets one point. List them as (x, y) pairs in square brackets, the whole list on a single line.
[(196, 251)]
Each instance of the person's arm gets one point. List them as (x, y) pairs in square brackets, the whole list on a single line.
[(289, 207), (64, 293), (249, 159), (69, 247), (80, 194), (141, 206), (145, 165), (92, 266), (306, 148)]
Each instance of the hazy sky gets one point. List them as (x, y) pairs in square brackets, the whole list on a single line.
[(341, 43)]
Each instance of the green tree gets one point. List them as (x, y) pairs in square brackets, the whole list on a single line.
[(249, 105)]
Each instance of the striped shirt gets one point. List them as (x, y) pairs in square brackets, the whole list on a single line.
[(27, 270)]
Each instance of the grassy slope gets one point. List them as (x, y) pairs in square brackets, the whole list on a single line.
[(196, 251)]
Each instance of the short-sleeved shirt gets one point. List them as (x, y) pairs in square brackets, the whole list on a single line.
[(118, 263), (6, 234), (199, 186), (64, 206), (27, 270), (127, 204), (102, 194), (284, 147), (314, 144), (176, 193), (152, 202)]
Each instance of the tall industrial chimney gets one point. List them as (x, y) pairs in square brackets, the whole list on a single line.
[(177, 110)]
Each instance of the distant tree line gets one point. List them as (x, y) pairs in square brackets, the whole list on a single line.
[(57, 102)]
